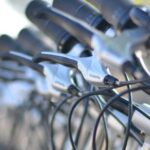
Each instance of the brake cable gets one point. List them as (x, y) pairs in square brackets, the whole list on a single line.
[(88, 95), (110, 101)]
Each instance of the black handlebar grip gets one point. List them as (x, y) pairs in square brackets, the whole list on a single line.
[(82, 11), (43, 11), (8, 43), (61, 38), (30, 40), (116, 12)]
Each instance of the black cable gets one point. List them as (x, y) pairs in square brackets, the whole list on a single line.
[(104, 123), (123, 83), (102, 91), (110, 101), (134, 135), (53, 119), (81, 123), (73, 108), (75, 105), (130, 107)]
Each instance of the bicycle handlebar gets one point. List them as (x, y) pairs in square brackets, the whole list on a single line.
[(29, 39), (8, 43), (53, 31), (116, 12), (41, 10), (82, 11)]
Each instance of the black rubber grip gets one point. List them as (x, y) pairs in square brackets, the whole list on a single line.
[(61, 38), (116, 12), (31, 41), (8, 43), (56, 59), (43, 11), (82, 11)]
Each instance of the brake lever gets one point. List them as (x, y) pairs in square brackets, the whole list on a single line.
[(21, 58), (58, 76), (113, 51), (89, 67), (27, 61), (41, 85), (120, 49)]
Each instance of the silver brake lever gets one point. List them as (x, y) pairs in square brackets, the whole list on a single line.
[(120, 49), (58, 76), (89, 67)]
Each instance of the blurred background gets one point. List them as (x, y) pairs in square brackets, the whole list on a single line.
[(11, 20), (30, 131), (12, 12)]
